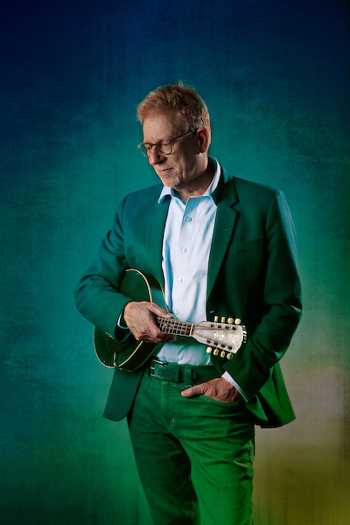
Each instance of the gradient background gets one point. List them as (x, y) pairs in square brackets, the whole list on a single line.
[(275, 76)]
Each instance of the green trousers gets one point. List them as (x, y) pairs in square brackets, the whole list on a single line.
[(194, 456)]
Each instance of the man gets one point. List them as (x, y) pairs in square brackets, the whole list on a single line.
[(222, 246)]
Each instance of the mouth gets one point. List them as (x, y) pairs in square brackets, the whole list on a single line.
[(164, 172)]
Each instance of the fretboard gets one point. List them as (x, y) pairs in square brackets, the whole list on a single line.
[(175, 327)]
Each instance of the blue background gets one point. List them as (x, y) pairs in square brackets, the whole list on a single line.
[(275, 76)]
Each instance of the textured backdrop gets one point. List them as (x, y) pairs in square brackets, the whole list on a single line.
[(275, 76)]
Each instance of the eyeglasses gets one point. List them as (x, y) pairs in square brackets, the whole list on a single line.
[(163, 146)]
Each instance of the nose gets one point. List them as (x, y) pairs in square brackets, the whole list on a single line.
[(154, 155)]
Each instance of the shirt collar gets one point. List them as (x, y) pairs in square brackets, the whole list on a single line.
[(208, 193)]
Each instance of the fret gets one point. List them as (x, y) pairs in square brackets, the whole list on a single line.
[(175, 327)]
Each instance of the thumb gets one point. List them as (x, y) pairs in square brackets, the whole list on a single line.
[(158, 310), (194, 391)]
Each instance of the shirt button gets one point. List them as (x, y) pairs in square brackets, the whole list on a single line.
[(188, 219), (176, 312), (179, 280), (184, 250)]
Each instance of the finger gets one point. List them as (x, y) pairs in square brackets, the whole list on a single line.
[(140, 318), (152, 333), (193, 391), (167, 338), (154, 308)]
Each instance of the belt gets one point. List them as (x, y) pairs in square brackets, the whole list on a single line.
[(191, 375)]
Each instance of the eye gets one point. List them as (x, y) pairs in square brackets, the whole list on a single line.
[(147, 146)]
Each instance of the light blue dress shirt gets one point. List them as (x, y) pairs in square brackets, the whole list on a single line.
[(186, 246)]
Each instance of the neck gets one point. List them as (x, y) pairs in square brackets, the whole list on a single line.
[(175, 327), (199, 185)]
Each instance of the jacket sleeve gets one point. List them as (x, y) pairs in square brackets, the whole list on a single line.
[(253, 366), (96, 295)]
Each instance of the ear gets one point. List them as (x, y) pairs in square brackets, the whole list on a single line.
[(203, 138)]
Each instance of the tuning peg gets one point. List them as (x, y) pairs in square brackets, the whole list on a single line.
[(238, 321), (216, 318), (208, 350), (230, 320), (222, 319), (223, 353), (216, 351), (229, 355)]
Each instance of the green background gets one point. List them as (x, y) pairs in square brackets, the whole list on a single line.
[(275, 76)]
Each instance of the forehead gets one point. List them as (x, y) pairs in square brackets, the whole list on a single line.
[(161, 126)]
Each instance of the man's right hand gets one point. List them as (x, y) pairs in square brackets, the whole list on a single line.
[(140, 318)]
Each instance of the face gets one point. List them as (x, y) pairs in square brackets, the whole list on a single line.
[(183, 169)]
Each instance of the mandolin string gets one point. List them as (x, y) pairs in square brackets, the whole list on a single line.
[(176, 327)]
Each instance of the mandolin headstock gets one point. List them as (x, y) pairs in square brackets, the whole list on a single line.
[(221, 338)]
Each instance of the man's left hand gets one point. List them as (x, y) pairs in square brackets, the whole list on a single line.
[(219, 389)]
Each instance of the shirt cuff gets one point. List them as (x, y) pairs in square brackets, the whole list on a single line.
[(230, 379), (121, 331)]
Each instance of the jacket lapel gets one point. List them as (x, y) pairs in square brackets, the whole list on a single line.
[(154, 240), (225, 197)]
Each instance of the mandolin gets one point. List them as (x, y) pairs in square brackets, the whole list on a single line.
[(221, 338)]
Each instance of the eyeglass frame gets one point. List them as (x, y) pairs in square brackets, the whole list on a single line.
[(171, 142)]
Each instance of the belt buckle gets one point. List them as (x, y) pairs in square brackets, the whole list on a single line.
[(165, 371), (162, 363)]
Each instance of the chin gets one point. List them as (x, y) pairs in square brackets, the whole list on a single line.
[(172, 183)]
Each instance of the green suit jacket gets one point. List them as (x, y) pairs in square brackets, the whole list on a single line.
[(252, 274)]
